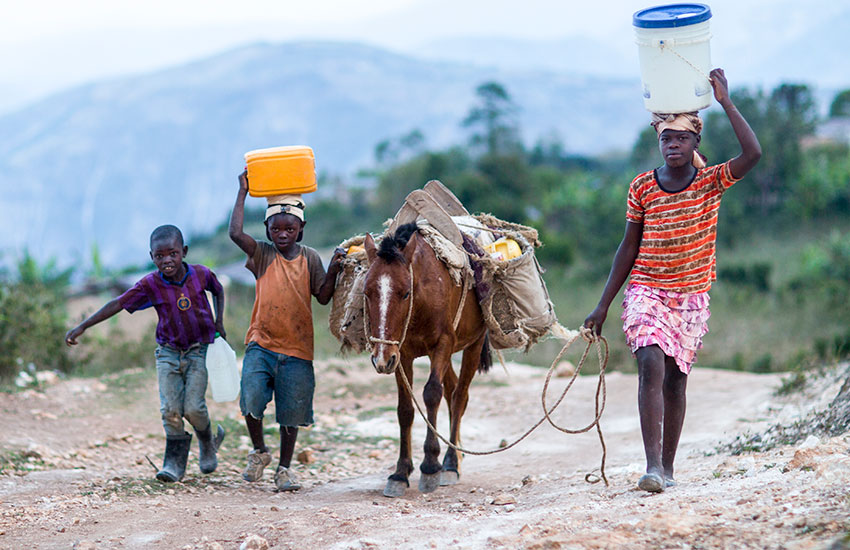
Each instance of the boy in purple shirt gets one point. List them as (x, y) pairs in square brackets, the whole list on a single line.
[(186, 327)]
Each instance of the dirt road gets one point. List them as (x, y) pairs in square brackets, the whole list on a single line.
[(75, 474)]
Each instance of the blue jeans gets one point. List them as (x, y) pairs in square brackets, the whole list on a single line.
[(290, 380), (182, 376)]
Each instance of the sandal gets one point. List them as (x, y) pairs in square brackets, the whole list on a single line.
[(651, 483)]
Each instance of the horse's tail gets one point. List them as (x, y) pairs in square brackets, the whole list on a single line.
[(486, 354)]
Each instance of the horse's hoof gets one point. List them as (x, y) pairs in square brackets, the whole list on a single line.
[(428, 483), (394, 488), (449, 477)]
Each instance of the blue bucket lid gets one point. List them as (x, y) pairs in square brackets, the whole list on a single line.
[(671, 15)]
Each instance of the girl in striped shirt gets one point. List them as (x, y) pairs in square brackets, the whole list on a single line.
[(668, 252)]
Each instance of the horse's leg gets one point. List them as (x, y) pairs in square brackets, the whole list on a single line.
[(429, 478), (398, 481), (460, 397), (449, 387), (449, 384)]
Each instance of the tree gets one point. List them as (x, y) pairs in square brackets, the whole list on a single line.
[(780, 121), (840, 106), (645, 154), (392, 151), (493, 121)]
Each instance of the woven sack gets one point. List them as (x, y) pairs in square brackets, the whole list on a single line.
[(346, 316), (517, 308)]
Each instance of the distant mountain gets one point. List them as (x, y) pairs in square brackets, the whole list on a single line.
[(818, 55), (576, 55), (107, 162)]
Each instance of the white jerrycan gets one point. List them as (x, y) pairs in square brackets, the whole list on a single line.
[(222, 374)]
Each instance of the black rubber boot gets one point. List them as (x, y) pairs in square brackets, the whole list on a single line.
[(176, 456), (208, 446)]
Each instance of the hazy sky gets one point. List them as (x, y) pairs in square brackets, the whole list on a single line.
[(46, 45)]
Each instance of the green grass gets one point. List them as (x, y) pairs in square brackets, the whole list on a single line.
[(129, 380), (148, 486), (328, 438), (125, 386), (20, 461), (375, 412)]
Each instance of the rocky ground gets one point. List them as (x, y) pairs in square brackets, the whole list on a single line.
[(75, 472)]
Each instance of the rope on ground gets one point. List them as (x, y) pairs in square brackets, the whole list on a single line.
[(590, 337), (601, 343)]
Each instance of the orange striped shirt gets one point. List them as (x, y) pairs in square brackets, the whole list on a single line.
[(677, 248)]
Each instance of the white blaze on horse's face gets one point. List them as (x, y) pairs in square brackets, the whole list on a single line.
[(385, 351), (385, 287)]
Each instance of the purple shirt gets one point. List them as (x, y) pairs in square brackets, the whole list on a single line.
[(185, 316)]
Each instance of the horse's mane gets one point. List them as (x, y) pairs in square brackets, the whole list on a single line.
[(392, 245)]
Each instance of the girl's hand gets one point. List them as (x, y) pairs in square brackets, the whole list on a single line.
[(596, 319), (720, 85), (243, 181)]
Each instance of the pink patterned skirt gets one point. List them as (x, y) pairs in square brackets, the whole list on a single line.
[(674, 321)]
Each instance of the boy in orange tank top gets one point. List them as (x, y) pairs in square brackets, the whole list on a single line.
[(278, 361)]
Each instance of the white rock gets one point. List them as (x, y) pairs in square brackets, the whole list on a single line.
[(48, 377), (254, 542), (503, 499), (745, 464), (811, 441), (565, 369)]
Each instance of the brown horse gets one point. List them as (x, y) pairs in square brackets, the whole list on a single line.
[(411, 303)]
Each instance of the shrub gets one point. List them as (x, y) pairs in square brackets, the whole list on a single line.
[(32, 328), (825, 271), (755, 276)]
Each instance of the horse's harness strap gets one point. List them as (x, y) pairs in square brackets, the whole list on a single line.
[(463, 292), (372, 339), (464, 282)]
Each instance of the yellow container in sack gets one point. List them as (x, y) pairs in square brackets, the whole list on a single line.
[(504, 249), (287, 170)]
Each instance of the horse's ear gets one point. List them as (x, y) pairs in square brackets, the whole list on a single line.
[(369, 245), (410, 247)]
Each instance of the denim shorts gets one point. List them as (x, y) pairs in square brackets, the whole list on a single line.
[(289, 380)]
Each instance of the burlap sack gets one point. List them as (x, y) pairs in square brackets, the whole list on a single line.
[(517, 308), (346, 317)]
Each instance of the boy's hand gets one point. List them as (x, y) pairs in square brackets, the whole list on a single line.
[(219, 328), (336, 260), (72, 335), (720, 85), (243, 181)]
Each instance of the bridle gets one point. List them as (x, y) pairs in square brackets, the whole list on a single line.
[(371, 339)]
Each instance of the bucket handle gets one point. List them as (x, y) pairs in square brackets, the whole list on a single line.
[(670, 45)]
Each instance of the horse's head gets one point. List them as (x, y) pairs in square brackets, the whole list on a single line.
[(389, 296)]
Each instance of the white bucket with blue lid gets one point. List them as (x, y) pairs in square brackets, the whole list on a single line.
[(675, 57)]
